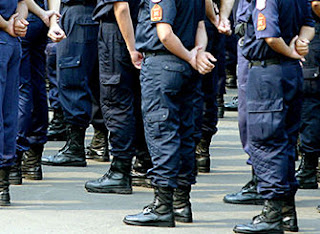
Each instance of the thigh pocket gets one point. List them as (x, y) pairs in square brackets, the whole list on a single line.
[(172, 76), (69, 70), (266, 120), (155, 122), (86, 31)]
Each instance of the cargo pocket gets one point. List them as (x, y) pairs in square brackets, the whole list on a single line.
[(266, 120), (69, 69), (172, 76), (86, 31), (156, 122)]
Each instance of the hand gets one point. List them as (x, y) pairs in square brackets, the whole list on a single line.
[(55, 33), (224, 26), (302, 46), (205, 62), (10, 25), (136, 59), (47, 15), (294, 53), (193, 57), (21, 27)]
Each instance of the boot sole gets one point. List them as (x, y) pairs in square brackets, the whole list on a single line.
[(183, 219), (15, 181), (266, 232), (32, 177), (71, 164), (245, 202), (203, 170), (146, 183), (110, 190), (308, 186), (5, 203), (153, 224), (291, 229)]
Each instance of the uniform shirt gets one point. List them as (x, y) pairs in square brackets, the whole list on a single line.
[(182, 15), (8, 8), (104, 10), (274, 18), (243, 15)]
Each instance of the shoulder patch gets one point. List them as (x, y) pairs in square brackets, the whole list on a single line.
[(261, 4), (262, 24), (156, 13), (156, 1)]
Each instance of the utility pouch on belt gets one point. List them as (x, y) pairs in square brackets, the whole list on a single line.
[(310, 73), (240, 29)]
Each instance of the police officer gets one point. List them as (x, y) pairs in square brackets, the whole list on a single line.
[(275, 78), (119, 85), (77, 59), (248, 194), (33, 107), (206, 107), (12, 25), (310, 120), (171, 43)]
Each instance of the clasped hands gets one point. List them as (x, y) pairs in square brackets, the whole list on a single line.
[(201, 60)]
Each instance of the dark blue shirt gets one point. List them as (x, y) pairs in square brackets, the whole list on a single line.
[(8, 8), (243, 14), (274, 18), (183, 15), (104, 10)]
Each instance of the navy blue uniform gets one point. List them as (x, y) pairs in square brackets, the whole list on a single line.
[(33, 107), (310, 116), (77, 60), (10, 57), (274, 100), (119, 82), (242, 16), (167, 88)]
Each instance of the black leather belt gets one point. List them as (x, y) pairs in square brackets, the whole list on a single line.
[(264, 63), (155, 53)]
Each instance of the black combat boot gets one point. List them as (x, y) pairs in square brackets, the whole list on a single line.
[(98, 148), (72, 154), (140, 168), (220, 102), (247, 195), (57, 130), (269, 221), (289, 215), (231, 79), (181, 204), (116, 180), (15, 176), (4, 186), (203, 156), (158, 214), (307, 172), (31, 163)]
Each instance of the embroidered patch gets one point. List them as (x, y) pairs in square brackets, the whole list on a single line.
[(156, 1), (261, 4), (156, 13), (261, 25)]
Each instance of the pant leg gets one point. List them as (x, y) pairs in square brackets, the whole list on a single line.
[(10, 57), (117, 76), (273, 120), (51, 71), (163, 79), (76, 61)]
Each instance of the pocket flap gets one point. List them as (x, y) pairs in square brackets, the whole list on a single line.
[(265, 106), (173, 66), (87, 22), (69, 62), (310, 73), (157, 116)]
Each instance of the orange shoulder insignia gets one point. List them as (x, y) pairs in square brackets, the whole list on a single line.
[(262, 24), (156, 13)]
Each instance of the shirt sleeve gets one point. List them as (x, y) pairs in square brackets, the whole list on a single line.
[(309, 21), (164, 11), (202, 11), (265, 16)]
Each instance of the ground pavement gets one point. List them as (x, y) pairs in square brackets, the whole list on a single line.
[(60, 204)]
